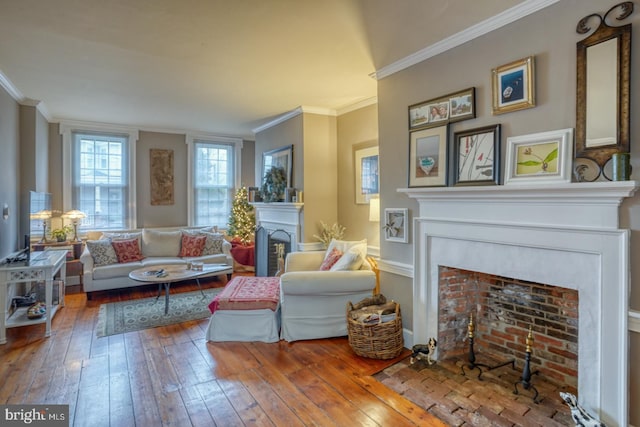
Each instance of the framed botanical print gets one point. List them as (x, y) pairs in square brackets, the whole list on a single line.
[(476, 156), (543, 157)]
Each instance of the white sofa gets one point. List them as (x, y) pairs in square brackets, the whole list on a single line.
[(313, 303), (158, 246)]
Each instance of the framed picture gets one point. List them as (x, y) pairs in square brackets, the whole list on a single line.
[(476, 156), (281, 158), (161, 177), (396, 226), (428, 157), (445, 109), (513, 86), (366, 173), (539, 158)]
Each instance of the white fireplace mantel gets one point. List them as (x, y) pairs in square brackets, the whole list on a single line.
[(562, 235), (575, 204), (280, 216)]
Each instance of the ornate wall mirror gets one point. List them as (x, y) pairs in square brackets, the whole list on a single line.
[(603, 74)]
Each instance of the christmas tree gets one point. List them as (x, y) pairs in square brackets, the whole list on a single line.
[(242, 220)]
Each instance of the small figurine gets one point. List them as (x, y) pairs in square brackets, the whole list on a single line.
[(580, 416), (424, 351)]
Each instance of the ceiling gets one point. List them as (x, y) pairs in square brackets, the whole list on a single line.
[(220, 66)]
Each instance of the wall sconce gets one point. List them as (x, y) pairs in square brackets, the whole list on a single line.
[(43, 215), (75, 216), (374, 210)]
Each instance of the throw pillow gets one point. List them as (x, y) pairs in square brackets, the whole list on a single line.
[(214, 242), (330, 259), (350, 260), (161, 243), (102, 252), (343, 246), (127, 250), (192, 245)]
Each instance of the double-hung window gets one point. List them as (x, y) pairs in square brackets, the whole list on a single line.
[(213, 179), (100, 178)]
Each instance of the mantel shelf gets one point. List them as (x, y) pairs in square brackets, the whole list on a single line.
[(588, 192)]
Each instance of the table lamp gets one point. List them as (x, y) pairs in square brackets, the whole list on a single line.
[(75, 216), (42, 215)]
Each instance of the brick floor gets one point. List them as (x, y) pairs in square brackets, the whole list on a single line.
[(465, 400)]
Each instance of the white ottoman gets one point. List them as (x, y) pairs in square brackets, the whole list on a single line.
[(247, 309)]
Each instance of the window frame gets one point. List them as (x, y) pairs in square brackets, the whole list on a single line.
[(191, 139), (67, 129)]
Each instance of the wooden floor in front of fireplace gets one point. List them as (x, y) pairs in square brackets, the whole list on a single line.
[(464, 400)]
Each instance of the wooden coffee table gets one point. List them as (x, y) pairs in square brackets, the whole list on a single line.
[(165, 275)]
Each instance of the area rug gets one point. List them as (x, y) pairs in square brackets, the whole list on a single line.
[(127, 316)]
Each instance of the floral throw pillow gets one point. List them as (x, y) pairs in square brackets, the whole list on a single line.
[(127, 250), (192, 245), (330, 259), (102, 252)]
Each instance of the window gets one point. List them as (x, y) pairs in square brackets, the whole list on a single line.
[(99, 180), (214, 180)]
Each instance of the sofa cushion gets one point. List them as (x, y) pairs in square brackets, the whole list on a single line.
[(350, 260), (102, 252), (345, 245), (213, 244), (127, 250), (331, 259), (115, 270), (123, 236), (192, 245), (161, 243)]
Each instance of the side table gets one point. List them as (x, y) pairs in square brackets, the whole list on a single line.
[(42, 267)]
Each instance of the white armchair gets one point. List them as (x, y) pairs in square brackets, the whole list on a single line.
[(313, 303)]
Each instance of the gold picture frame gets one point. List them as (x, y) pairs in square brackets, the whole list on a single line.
[(161, 177), (513, 86)]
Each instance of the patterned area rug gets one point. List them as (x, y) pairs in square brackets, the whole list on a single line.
[(126, 316)]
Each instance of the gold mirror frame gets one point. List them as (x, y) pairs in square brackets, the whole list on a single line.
[(603, 33)]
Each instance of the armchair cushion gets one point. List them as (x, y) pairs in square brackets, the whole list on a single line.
[(344, 246), (350, 260), (330, 259)]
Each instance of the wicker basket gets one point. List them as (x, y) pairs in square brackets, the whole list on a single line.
[(377, 340)]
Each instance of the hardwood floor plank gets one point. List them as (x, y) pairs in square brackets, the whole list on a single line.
[(218, 404), (243, 402), (92, 408)]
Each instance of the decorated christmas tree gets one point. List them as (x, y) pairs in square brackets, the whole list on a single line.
[(242, 220)]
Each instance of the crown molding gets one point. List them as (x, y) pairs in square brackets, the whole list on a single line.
[(358, 105), (8, 85), (513, 14)]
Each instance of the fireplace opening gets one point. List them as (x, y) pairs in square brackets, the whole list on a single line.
[(503, 311), (270, 244)]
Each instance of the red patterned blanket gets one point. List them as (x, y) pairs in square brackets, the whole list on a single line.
[(248, 293)]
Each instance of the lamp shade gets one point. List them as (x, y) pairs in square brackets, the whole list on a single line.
[(74, 214), (44, 214), (374, 210)]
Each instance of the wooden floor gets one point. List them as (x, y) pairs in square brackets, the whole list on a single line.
[(171, 376)]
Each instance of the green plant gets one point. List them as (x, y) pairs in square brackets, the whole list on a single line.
[(275, 181), (60, 234), (336, 231)]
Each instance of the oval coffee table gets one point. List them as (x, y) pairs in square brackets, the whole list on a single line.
[(166, 274)]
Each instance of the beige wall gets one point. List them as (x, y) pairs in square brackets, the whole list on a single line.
[(169, 215), (356, 129), (289, 132), (9, 173), (550, 36)]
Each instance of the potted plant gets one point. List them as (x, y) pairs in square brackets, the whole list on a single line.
[(60, 234)]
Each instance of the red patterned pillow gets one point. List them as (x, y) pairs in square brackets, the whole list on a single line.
[(331, 258), (192, 245), (127, 250)]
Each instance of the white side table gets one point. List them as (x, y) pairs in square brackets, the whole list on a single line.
[(42, 267)]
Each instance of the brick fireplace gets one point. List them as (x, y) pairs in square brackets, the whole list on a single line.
[(557, 238)]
